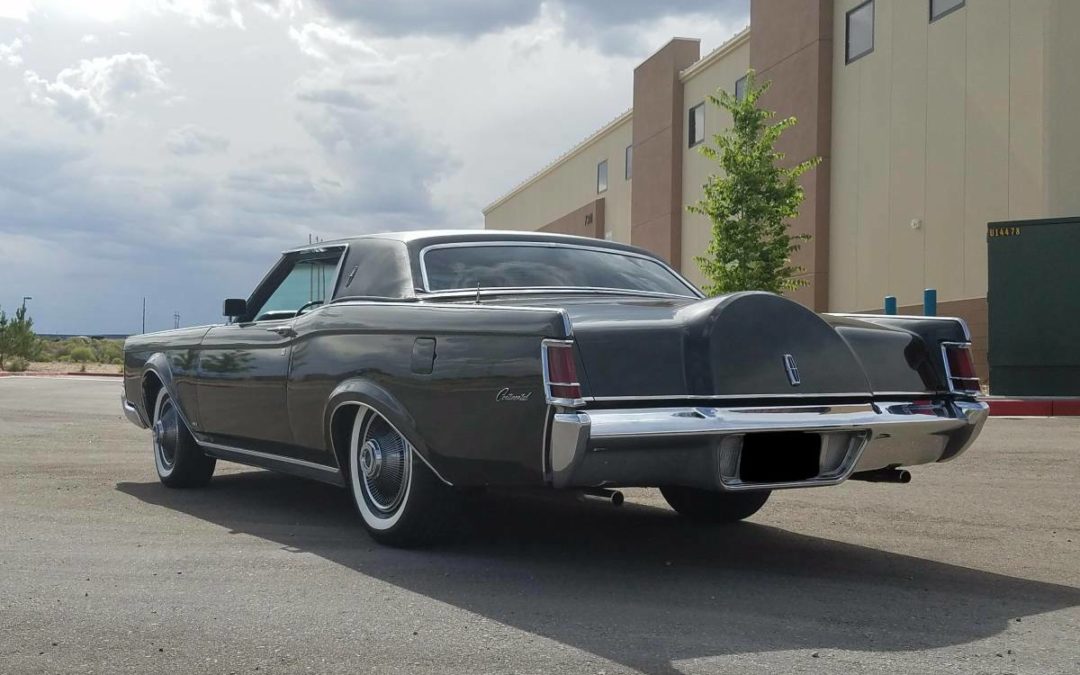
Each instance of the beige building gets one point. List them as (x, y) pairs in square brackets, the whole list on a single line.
[(933, 118)]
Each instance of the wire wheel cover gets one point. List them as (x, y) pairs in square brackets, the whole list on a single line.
[(383, 464)]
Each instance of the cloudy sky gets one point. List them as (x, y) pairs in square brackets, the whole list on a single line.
[(170, 149)]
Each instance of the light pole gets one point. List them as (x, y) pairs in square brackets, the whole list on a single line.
[(25, 298)]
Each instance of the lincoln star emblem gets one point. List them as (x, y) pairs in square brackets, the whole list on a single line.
[(507, 395), (792, 369)]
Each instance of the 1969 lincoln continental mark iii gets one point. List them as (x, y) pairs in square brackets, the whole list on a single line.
[(407, 367)]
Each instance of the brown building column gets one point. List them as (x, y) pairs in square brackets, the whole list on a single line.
[(791, 44), (656, 199), (587, 221)]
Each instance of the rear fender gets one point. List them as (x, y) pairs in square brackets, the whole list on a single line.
[(359, 393), (932, 330)]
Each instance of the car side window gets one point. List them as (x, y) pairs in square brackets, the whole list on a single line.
[(307, 285)]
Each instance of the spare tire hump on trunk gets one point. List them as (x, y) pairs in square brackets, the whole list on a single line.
[(743, 344)]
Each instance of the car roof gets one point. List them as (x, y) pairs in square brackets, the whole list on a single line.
[(420, 238)]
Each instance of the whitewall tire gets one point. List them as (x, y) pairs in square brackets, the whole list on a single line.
[(400, 500), (178, 459)]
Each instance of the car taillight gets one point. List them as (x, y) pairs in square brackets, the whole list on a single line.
[(960, 367), (560, 373)]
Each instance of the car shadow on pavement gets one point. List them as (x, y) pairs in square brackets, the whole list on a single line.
[(637, 584)]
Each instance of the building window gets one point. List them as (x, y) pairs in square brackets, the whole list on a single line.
[(740, 88), (601, 177), (696, 124), (629, 172), (939, 8), (860, 31)]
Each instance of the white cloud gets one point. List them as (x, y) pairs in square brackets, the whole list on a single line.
[(330, 44), (9, 53), (373, 116), (218, 13), (88, 39), (191, 139), (16, 9), (88, 94), (278, 9)]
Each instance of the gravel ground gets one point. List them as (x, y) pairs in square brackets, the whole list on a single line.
[(974, 567)]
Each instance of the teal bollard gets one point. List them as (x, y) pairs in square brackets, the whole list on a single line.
[(929, 302), (890, 304)]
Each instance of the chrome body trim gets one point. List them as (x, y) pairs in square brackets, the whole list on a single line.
[(650, 447), (132, 412), (565, 317), (746, 397), (568, 326), (695, 293), (421, 302), (268, 456), (555, 400), (331, 291), (493, 291), (337, 275), (950, 378), (852, 315)]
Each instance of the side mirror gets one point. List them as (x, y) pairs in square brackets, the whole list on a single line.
[(234, 307)]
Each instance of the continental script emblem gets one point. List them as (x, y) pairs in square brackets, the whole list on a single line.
[(507, 395)]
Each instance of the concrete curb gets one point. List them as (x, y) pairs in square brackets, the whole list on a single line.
[(1033, 407)]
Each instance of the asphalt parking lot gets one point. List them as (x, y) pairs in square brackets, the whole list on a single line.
[(973, 567)]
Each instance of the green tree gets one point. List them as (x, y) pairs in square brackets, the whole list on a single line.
[(5, 347), (751, 201), (21, 340)]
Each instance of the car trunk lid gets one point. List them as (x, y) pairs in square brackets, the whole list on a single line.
[(743, 345)]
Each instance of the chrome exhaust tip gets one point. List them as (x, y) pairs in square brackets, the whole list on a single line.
[(889, 475), (614, 496)]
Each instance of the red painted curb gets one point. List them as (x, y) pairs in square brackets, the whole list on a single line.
[(1067, 408), (40, 374), (1034, 407)]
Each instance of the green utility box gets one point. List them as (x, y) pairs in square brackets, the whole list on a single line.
[(1034, 299)]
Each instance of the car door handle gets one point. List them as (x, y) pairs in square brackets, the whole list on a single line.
[(283, 331)]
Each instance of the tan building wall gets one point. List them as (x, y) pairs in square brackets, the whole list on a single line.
[(1062, 104), (569, 185), (718, 70), (945, 126), (941, 124)]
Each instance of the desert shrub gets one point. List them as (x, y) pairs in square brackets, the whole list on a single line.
[(17, 364), (108, 351), (81, 354), (75, 349)]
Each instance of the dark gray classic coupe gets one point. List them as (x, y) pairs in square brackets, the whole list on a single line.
[(408, 367)]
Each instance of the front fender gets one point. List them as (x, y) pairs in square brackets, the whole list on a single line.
[(365, 392), (158, 366)]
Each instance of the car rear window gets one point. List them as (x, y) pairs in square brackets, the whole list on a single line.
[(545, 266)]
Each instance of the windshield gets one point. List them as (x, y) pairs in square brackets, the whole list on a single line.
[(544, 265)]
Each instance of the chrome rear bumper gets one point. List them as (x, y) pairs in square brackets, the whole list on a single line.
[(132, 412), (702, 447)]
